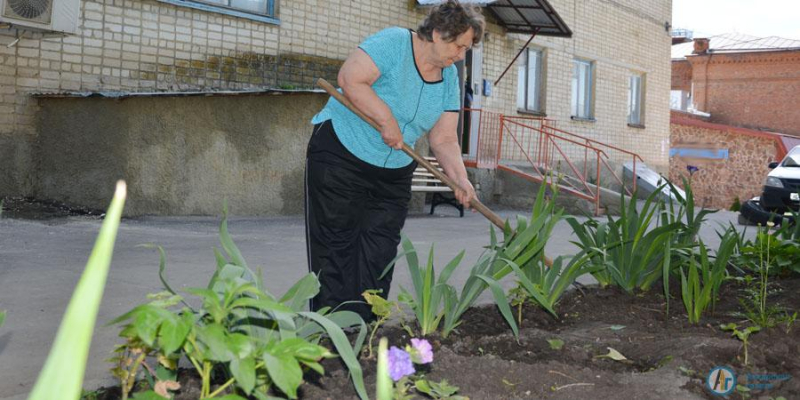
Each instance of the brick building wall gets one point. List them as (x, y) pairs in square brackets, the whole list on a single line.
[(146, 45), (719, 182), (753, 90), (681, 75), (620, 37)]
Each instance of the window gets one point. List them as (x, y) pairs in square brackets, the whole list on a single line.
[(635, 99), (582, 89), (680, 100), (259, 10), (263, 7), (530, 82)]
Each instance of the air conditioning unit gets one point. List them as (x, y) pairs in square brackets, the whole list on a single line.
[(41, 15)]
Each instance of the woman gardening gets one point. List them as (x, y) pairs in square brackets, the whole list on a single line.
[(358, 182)]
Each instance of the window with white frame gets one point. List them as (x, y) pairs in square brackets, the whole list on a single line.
[(635, 99), (582, 89), (262, 7), (531, 82), (258, 10), (680, 99)]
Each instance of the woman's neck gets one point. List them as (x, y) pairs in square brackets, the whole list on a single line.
[(423, 56)]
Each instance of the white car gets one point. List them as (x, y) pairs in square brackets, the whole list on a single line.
[(782, 188)]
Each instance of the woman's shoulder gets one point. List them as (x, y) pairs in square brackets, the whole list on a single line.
[(394, 33)]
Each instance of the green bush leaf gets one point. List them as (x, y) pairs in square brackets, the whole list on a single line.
[(285, 371), (244, 370), (148, 395), (146, 323), (172, 333), (213, 336)]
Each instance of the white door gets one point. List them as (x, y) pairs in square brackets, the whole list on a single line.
[(475, 72)]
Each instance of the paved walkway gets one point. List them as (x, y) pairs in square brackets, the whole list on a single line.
[(40, 263)]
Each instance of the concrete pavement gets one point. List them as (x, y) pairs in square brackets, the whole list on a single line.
[(41, 261)]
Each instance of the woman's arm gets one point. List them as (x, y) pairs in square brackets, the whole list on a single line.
[(444, 143), (356, 77)]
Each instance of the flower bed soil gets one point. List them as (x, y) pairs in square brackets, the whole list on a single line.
[(668, 358), (483, 359)]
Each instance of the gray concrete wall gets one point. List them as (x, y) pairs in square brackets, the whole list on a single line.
[(179, 155), (16, 165)]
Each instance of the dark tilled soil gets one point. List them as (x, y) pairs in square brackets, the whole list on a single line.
[(37, 209), (668, 358)]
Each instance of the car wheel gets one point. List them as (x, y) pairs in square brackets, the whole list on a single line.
[(756, 215)]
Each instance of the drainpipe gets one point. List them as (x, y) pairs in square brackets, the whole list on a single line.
[(702, 48), (705, 100)]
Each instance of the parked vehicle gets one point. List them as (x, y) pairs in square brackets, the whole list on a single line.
[(752, 213), (782, 187)]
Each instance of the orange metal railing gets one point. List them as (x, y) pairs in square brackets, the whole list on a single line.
[(489, 132), (551, 153)]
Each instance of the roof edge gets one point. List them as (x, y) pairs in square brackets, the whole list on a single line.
[(111, 94)]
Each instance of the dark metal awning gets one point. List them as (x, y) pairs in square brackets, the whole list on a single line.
[(521, 16), (529, 16), (533, 17)]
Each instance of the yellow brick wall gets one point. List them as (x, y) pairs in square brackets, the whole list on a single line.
[(619, 37), (145, 45)]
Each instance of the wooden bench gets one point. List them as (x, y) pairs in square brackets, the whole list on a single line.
[(424, 181)]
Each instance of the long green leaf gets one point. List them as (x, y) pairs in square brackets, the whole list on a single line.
[(530, 288), (162, 265), (345, 351), (227, 242), (383, 382), (502, 303), (665, 269), (62, 374)]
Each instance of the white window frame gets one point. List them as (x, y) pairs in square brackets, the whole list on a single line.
[(530, 82), (636, 84), (268, 15), (583, 76), (680, 100)]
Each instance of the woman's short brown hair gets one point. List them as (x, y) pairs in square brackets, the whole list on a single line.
[(452, 19)]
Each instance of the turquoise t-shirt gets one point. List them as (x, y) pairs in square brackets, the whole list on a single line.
[(416, 104)]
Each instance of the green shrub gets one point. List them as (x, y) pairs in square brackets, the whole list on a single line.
[(545, 285), (434, 301), (626, 251), (260, 341), (701, 279)]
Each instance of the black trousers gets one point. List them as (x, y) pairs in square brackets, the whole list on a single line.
[(354, 214)]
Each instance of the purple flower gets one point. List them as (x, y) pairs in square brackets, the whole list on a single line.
[(421, 351), (399, 364)]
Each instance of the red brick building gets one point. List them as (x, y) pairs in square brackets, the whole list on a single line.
[(741, 80), (735, 108)]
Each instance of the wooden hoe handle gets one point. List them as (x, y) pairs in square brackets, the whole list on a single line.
[(474, 203)]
